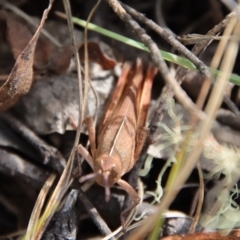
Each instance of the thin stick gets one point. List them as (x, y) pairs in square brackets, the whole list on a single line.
[(77, 59), (65, 179), (86, 65), (200, 200), (200, 46), (197, 49), (158, 60), (51, 156), (99, 222), (140, 32), (191, 160), (202, 68)]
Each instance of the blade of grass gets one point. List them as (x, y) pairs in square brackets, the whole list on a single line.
[(183, 62)]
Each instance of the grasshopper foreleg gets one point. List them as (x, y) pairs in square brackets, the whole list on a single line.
[(86, 155)]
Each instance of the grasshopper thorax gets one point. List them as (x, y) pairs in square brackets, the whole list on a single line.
[(108, 170)]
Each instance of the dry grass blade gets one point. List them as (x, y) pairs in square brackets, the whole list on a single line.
[(65, 179), (200, 200), (93, 213), (86, 65), (230, 51), (190, 162), (32, 225), (20, 79)]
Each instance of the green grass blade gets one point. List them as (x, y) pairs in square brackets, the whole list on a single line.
[(183, 62)]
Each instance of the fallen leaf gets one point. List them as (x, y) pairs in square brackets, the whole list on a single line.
[(60, 59), (18, 34), (97, 56), (20, 79), (47, 107), (14, 165), (50, 103), (42, 53)]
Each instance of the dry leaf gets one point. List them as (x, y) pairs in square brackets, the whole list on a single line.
[(20, 79), (97, 56), (55, 98), (42, 53), (18, 35), (60, 59), (47, 107)]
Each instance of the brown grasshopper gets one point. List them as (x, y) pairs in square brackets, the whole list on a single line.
[(121, 133)]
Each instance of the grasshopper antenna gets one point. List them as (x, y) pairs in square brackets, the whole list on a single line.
[(88, 177)]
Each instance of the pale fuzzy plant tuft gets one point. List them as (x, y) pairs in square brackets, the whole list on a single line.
[(227, 216), (226, 159), (170, 142), (171, 135)]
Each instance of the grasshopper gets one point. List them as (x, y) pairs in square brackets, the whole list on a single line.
[(121, 133)]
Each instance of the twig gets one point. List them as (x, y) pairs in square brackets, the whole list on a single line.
[(200, 200), (192, 56), (228, 118), (51, 156), (197, 49), (86, 64), (170, 39), (191, 160), (14, 166), (160, 63), (99, 222), (31, 21), (141, 33), (201, 45)]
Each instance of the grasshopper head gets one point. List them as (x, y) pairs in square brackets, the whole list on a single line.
[(109, 170)]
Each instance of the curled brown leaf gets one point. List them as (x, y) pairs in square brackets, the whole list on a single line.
[(20, 79), (97, 56)]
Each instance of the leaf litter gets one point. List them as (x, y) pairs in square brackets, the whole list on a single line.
[(53, 95), (56, 98), (20, 79)]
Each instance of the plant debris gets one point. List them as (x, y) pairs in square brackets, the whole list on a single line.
[(187, 172)]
